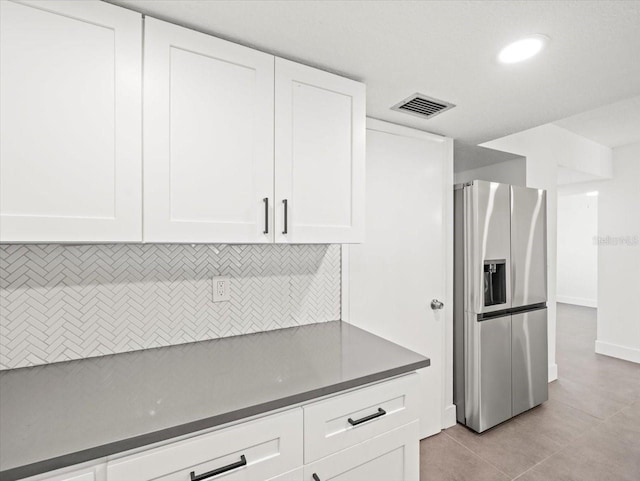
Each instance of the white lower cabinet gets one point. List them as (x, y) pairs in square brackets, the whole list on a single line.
[(339, 422), (343, 437), (295, 475), (252, 451), (393, 456), (92, 472), (82, 476)]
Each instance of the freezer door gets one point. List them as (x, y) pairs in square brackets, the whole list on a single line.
[(494, 371), (487, 246), (529, 360), (528, 246)]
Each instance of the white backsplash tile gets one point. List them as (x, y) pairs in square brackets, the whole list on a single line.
[(59, 302)]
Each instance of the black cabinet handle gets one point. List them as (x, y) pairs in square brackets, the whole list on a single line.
[(223, 469), (381, 412), (286, 214), (266, 215), (315, 477)]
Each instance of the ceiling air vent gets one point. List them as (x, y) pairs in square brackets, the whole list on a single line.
[(422, 106)]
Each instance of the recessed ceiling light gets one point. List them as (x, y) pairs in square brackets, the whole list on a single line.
[(522, 49), (592, 194)]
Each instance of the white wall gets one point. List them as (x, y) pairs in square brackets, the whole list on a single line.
[(542, 173), (619, 257), (580, 154), (577, 251), (508, 172), (546, 147)]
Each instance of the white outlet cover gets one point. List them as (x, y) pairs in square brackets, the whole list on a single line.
[(221, 288)]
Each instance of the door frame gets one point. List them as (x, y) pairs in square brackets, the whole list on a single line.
[(448, 415)]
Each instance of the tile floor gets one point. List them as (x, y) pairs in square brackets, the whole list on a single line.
[(588, 430)]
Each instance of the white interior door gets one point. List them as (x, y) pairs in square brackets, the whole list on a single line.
[(391, 278), (208, 133)]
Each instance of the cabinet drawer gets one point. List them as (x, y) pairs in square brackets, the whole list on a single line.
[(393, 456), (343, 421), (270, 446), (87, 474), (79, 476), (90, 471), (295, 475)]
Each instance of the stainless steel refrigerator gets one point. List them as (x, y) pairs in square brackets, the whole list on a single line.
[(500, 295)]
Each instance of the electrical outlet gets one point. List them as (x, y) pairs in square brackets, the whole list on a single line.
[(220, 289)]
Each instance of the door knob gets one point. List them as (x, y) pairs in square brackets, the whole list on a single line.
[(436, 304)]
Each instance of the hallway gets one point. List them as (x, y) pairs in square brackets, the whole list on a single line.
[(588, 430)]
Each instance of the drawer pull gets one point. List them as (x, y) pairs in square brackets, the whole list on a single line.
[(315, 477), (381, 412), (223, 469)]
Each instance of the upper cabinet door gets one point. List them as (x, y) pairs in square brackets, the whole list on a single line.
[(320, 156), (70, 126), (208, 133)]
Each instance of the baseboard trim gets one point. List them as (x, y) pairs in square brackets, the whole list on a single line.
[(615, 350), (552, 372), (577, 301), (449, 416)]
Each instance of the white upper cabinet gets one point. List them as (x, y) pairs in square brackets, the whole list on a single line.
[(208, 138), (239, 146), (70, 126), (319, 156)]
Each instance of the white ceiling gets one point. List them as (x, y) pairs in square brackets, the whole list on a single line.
[(444, 49), (612, 125)]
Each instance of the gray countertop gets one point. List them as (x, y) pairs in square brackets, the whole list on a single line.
[(67, 413)]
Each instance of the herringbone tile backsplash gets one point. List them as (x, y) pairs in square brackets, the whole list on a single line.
[(69, 302)]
